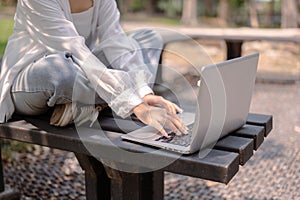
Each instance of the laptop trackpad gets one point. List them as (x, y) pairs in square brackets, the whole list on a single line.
[(147, 132)]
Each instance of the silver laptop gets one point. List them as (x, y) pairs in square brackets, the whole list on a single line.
[(223, 103)]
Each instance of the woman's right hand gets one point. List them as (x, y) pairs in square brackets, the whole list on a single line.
[(160, 118)]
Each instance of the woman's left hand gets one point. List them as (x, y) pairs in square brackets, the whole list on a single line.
[(159, 101)]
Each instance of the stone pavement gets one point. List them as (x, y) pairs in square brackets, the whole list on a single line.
[(272, 173)]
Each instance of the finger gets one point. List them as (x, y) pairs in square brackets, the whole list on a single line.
[(172, 127), (173, 108), (169, 107), (179, 124), (177, 108), (160, 128)]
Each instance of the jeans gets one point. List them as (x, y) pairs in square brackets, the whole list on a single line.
[(46, 83)]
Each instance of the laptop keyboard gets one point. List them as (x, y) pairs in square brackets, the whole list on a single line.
[(181, 140)]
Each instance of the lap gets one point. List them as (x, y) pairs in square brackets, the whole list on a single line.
[(50, 79)]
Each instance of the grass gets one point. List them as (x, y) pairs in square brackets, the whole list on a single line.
[(6, 29), (166, 21), (142, 17)]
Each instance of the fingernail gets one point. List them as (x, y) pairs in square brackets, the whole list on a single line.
[(178, 132)]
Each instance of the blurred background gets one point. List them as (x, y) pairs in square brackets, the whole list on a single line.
[(272, 173)]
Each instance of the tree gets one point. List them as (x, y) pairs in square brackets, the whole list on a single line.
[(253, 14), (190, 12), (223, 12), (151, 6), (289, 14), (124, 6), (208, 7), (270, 13)]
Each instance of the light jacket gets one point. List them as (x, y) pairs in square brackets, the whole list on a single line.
[(45, 27)]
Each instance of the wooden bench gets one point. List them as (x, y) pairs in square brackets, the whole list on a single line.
[(103, 182), (233, 37)]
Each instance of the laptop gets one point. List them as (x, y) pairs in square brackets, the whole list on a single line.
[(223, 102)]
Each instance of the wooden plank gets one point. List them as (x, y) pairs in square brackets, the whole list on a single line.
[(120, 125), (254, 132), (242, 146), (219, 166), (236, 34), (234, 144), (261, 120)]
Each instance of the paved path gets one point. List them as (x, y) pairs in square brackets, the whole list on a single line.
[(272, 173)]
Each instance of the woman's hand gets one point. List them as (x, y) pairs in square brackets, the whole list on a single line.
[(159, 101), (160, 118)]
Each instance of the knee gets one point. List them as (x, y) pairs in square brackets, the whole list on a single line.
[(150, 38), (63, 71), (157, 39)]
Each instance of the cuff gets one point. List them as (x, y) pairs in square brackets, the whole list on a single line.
[(124, 103), (144, 90)]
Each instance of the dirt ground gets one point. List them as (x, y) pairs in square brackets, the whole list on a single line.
[(279, 61)]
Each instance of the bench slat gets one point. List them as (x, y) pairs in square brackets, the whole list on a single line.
[(242, 146), (254, 132), (261, 120), (219, 166)]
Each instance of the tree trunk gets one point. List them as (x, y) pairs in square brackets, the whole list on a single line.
[(208, 7), (124, 6), (190, 12), (270, 14), (223, 12), (151, 6), (289, 14), (253, 14)]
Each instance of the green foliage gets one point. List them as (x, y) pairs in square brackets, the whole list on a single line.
[(172, 8), (236, 4), (2, 47), (6, 29), (136, 5), (163, 20), (8, 2), (10, 149)]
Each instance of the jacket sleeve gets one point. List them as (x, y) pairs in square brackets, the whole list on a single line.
[(121, 51), (46, 23)]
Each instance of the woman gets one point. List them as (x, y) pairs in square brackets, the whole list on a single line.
[(64, 51)]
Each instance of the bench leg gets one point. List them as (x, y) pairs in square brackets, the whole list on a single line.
[(134, 186), (2, 187), (97, 183), (234, 49)]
